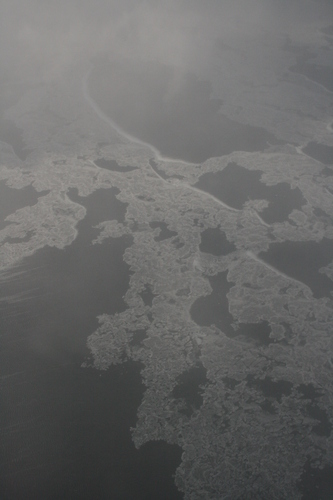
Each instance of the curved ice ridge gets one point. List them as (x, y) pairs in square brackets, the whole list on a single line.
[(126, 135), (254, 257), (155, 151)]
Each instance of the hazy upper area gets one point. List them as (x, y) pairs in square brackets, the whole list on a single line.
[(41, 38)]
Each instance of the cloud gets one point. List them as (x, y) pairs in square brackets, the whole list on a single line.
[(45, 37)]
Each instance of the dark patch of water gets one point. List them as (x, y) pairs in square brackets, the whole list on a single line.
[(308, 391), (235, 185), (215, 242), (270, 388), (12, 135), (147, 295), (320, 152), (25, 238), (165, 232), (156, 460), (189, 388), (316, 483), (255, 333), (113, 165), (324, 427), (138, 337), (182, 121), (282, 201), (230, 383), (302, 260), (101, 205), (66, 430), (267, 407), (13, 199), (213, 309)]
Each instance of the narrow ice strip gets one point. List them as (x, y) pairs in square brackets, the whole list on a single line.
[(108, 120), (316, 83), (254, 257), (208, 195), (10, 375), (301, 152), (260, 219), (119, 130)]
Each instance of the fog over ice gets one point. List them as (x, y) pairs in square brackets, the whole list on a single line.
[(39, 39)]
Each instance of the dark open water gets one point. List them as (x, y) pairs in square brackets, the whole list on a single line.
[(235, 185), (213, 309), (13, 199), (65, 430), (303, 260), (320, 152)]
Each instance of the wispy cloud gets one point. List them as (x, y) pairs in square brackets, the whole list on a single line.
[(46, 36)]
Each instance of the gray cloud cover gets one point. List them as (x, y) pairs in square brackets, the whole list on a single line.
[(45, 37)]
